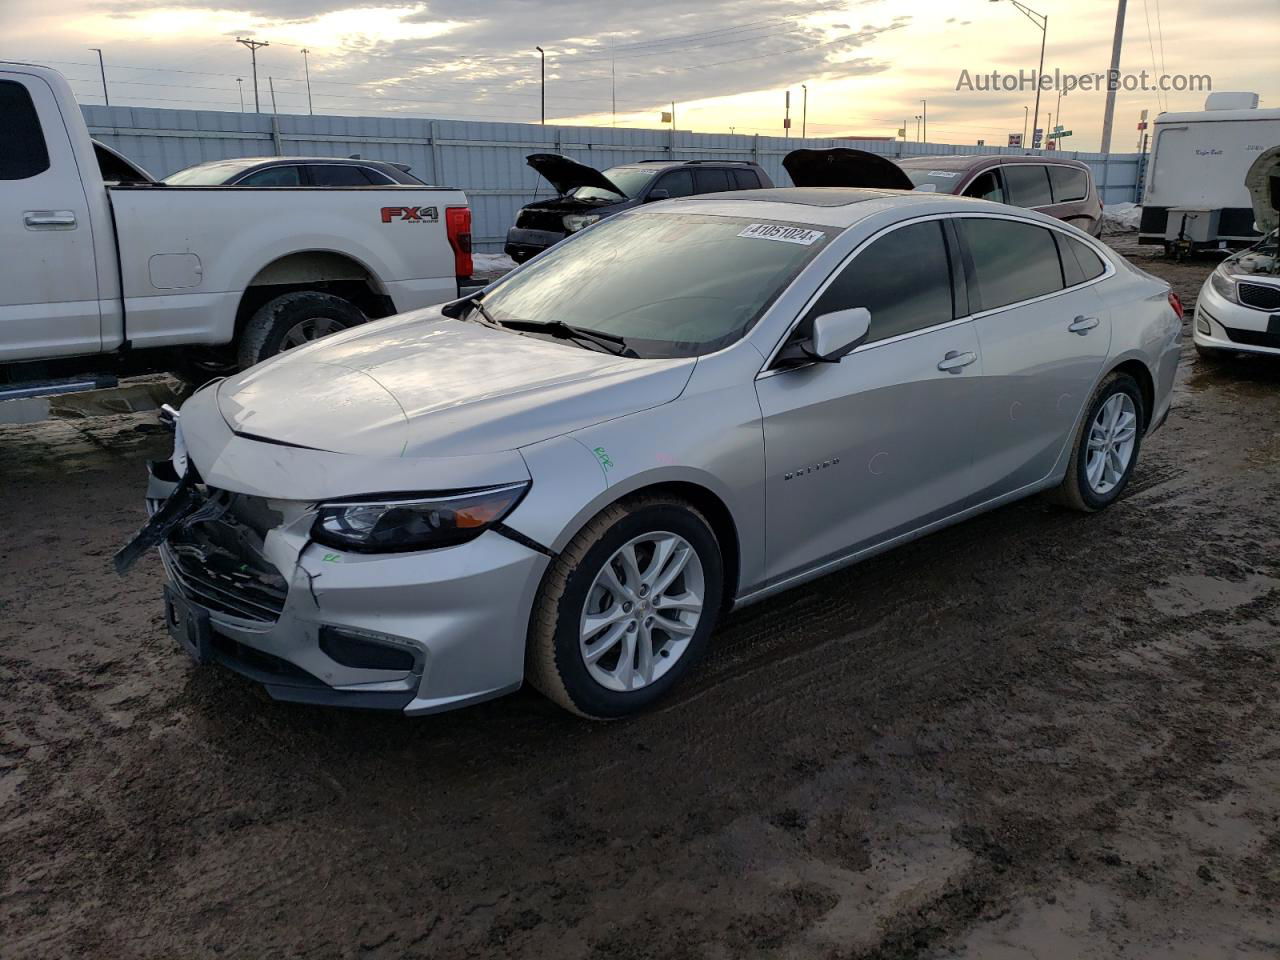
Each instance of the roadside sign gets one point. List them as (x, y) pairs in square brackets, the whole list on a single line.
[(786, 123), (1143, 124), (1051, 145), (982, 143), (1015, 139), (902, 132), (1037, 137), (1060, 133), (666, 116)]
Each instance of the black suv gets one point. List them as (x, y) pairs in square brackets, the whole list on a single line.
[(585, 195)]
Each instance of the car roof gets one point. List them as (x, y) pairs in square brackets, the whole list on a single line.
[(665, 164), (968, 161)]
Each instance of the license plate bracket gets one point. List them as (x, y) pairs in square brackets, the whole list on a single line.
[(189, 625)]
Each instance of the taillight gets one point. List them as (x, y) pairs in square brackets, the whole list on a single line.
[(457, 223), (1176, 304)]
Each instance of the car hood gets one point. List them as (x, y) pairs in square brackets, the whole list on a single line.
[(565, 174), (425, 385), (1263, 181), (844, 167)]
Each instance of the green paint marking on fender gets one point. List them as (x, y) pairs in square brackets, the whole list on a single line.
[(603, 456), (332, 558)]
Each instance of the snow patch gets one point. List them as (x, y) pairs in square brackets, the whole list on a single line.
[(1121, 217)]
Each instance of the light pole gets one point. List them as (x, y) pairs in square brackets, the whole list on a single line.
[(306, 69), (1043, 24), (103, 70), (1113, 77), (253, 46), (804, 111), (544, 82), (240, 87), (924, 115), (1026, 111), (917, 128)]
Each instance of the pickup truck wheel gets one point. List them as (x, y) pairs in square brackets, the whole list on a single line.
[(291, 320)]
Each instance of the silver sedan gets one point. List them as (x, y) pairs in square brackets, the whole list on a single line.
[(683, 409)]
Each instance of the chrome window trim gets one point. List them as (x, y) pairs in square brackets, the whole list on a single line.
[(1046, 163), (1109, 270)]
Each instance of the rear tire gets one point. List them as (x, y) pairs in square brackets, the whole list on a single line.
[(1106, 447), (292, 319), (632, 659)]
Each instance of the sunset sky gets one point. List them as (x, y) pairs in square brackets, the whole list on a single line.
[(726, 63)]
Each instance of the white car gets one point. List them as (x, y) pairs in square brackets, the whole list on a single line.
[(1238, 309), (684, 408)]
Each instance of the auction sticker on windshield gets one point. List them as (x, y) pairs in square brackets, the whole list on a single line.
[(773, 231)]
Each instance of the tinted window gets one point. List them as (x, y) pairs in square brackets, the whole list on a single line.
[(337, 175), (1079, 263), (1028, 185), (1069, 183), (677, 183), (711, 181), (986, 187), (272, 177), (23, 153), (903, 278), (746, 179), (1012, 261)]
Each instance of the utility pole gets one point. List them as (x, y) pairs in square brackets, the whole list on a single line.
[(804, 111), (1042, 21), (253, 46), (924, 116), (786, 116), (673, 117), (240, 87), (1026, 113), (544, 83), (1113, 78), (271, 83), (306, 69), (103, 70), (613, 78)]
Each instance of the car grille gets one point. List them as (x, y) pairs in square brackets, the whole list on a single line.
[(540, 220), (1260, 296), (1255, 338), (215, 558)]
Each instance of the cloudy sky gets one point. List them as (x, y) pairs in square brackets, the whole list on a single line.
[(726, 63)]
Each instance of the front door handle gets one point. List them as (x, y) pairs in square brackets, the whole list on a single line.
[(955, 361), (50, 219), (1083, 325)]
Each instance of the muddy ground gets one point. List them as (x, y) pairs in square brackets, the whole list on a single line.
[(1034, 735)]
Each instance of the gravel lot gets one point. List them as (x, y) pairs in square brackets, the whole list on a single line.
[(1035, 734)]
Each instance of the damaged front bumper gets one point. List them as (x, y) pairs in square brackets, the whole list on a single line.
[(416, 632)]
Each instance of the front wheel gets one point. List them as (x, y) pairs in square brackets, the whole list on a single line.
[(1106, 446), (626, 609)]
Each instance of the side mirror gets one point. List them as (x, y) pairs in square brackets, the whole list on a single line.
[(834, 336), (655, 195)]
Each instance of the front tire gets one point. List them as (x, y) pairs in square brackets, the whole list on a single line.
[(291, 320), (1106, 446), (626, 609)]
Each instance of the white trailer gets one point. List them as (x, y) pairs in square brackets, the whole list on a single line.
[(1195, 193)]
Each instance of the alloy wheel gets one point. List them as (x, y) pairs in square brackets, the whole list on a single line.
[(1113, 437), (313, 328), (642, 610)]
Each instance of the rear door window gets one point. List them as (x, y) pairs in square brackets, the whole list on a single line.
[(23, 153), (285, 176), (1028, 185), (677, 183), (903, 278), (710, 181), (986, 186), (337, 175), (1079, 263), (1012, 261), (747, 179), (1068, 183)]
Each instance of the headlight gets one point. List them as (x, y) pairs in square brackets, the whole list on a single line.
[(418, 524), (574, 222), (1223, 285)]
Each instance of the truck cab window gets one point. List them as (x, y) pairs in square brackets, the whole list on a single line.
[(24, 153)]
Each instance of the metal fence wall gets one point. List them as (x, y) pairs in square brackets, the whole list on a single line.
[(487, 159)]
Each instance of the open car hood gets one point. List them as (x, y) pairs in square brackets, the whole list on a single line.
[(565, 174), (844, 167), (1263, 181)]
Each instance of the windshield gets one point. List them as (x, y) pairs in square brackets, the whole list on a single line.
[(630, 180), (942, 181), (672, 285), (204, 174)]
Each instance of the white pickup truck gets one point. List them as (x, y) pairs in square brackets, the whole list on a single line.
[(101, 278)]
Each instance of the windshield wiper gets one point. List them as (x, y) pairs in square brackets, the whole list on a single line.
[(566, 331)]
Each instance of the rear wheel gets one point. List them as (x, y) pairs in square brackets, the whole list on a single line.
[(1106, 446), (292, 320), (626, 609)]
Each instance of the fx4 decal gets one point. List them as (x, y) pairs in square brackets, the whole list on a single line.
[(414, 214)]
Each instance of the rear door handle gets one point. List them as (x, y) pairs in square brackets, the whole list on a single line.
[(955, 361), (50, 219), (1083, 325)]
